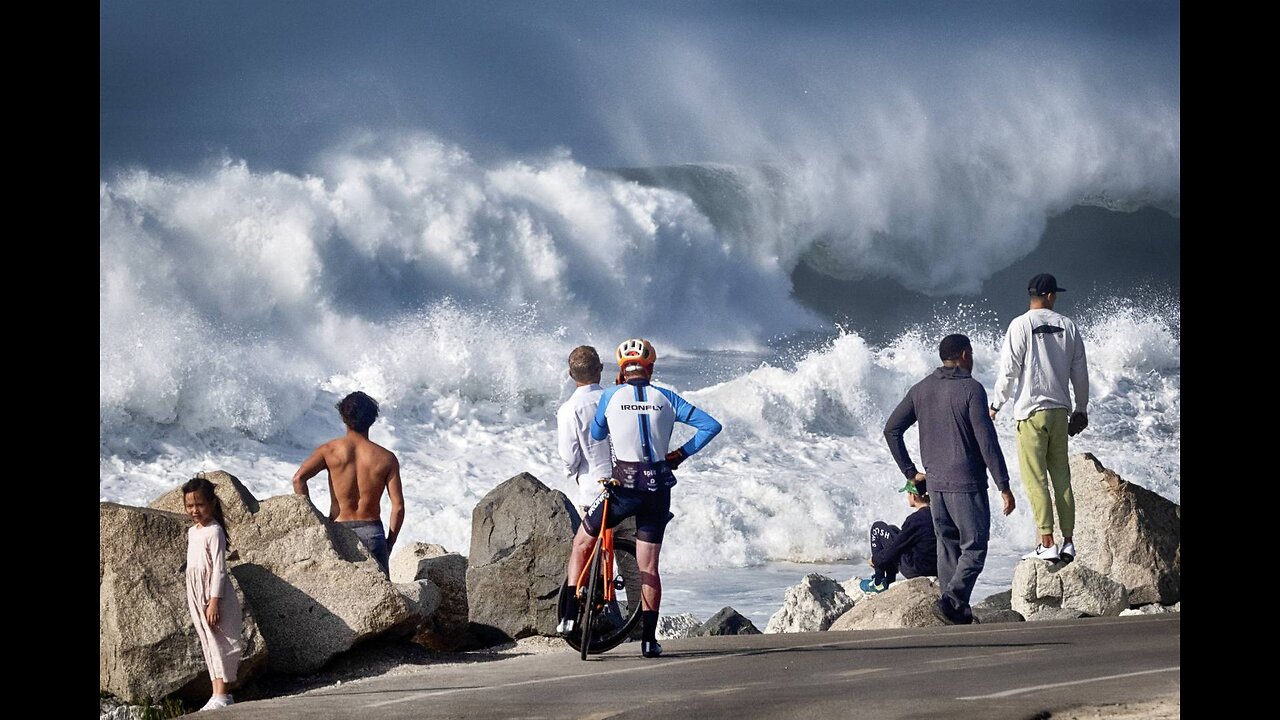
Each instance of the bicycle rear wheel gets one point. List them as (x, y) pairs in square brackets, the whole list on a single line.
[(620, 619)]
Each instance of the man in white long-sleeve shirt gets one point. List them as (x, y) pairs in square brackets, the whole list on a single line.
[(1041, 354), (586, 460)]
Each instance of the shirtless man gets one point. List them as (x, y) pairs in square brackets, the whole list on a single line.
[(358, 471)]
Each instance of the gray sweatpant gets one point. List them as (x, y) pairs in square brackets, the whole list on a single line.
[(962, 522)]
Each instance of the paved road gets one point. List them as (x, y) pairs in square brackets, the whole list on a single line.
[(1012, 670)]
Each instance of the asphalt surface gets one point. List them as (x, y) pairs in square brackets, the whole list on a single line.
[(1008, 670)]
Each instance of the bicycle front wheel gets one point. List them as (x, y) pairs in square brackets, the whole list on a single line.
[(619, 620)]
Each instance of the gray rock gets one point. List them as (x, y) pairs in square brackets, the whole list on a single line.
[(405, 565), (448, 627), (727, 622), (998, 601), (853, 588), (671, 627), (1127, 532), (997, 608), (316, 589), (907, 603), (1039, 586), (238, 504), (521, 533), (422, 595), (148, 646), (810, 606)]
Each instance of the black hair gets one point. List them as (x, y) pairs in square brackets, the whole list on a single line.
[(952, 346), (358, 411), (200, 484)]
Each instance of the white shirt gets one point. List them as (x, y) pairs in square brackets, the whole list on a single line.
[(585, 460), (1042, 351)]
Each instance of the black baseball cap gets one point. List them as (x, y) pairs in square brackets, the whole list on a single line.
[(1043, 284)]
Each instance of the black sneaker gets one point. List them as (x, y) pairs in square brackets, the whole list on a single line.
[(944, 612), (650, 649)]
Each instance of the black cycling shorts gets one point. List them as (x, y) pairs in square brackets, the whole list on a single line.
[(651, 508)]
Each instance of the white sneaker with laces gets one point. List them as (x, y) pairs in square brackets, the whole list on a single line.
[(1043, 553), (217, 701), (1068, 552)]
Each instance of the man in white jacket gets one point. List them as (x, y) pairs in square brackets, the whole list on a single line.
[(586, 460), (1042, 352)]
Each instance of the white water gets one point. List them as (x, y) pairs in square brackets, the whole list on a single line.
[(237, 306)]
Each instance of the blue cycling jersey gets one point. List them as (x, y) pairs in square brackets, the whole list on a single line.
[(638, 417)]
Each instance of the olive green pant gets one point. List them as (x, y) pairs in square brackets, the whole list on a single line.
[(1042, 453)]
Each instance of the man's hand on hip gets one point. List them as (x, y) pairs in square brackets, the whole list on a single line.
[(675, 457)]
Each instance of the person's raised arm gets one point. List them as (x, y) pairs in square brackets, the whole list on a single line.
[(902, 417), (396, 492), (706, 426), (309, 468)]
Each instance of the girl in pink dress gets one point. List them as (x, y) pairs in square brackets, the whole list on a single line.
[(215, 609)]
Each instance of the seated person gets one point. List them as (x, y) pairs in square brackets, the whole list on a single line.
[(911, 550)]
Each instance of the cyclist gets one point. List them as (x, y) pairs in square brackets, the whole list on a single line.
[(638, 418)]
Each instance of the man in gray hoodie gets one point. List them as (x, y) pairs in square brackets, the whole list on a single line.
[(958, 445)]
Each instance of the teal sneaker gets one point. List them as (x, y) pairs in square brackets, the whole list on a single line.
[(871, 587)]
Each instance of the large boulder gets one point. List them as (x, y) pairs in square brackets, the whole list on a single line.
[(1042, 590), (1126, 532), (147, 644), (521, 533), (316, 588), (810, 606), (406, 564), (727, 622), (238, 504), (447, 627), (907, 603)]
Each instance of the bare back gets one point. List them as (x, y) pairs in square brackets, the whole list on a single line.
[(359, 470)]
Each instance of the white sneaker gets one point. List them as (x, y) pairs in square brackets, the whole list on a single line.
[(1068, 552), (1043, 553), (215, 702), (566, 626)]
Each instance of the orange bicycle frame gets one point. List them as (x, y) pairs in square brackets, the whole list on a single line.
[(604, 541)]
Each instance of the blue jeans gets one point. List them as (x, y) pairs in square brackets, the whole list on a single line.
[(371, 534)]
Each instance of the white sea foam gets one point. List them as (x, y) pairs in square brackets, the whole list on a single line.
[(237, 306)]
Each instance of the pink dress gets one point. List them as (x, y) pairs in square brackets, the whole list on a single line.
[(207, 577)]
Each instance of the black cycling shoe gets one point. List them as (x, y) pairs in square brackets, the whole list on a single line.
[(650, 649)]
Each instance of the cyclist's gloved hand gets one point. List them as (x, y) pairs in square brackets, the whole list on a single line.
[(675, 457)]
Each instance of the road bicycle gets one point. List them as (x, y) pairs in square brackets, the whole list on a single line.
[(608, 591)]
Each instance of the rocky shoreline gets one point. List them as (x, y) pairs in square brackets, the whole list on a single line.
[(319, 612)]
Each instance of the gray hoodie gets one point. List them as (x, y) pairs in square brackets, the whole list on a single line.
[(957, 438)]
